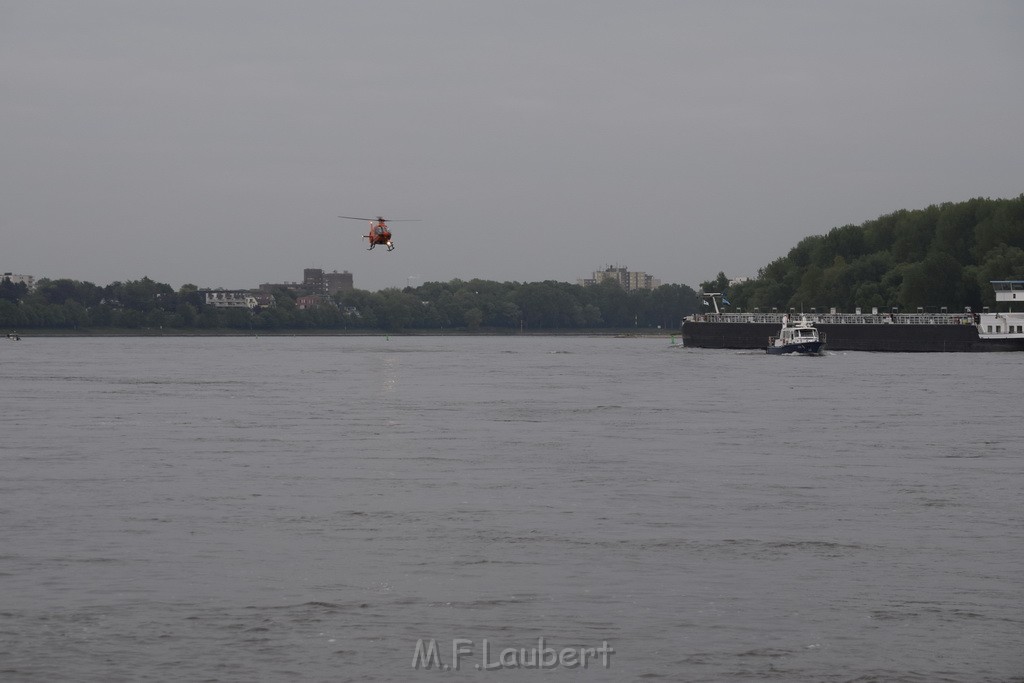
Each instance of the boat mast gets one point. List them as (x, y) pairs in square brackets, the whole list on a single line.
[(713, 297)]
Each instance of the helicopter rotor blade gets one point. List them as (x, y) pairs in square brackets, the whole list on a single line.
[(381, 218)]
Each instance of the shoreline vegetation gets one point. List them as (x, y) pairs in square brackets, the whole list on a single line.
[(943, 256), (147, 307)]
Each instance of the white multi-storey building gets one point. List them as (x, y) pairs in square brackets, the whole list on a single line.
[(226, 298), (28, 280), (629, 281)]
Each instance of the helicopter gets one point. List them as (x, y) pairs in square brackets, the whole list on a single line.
[(379, 231)]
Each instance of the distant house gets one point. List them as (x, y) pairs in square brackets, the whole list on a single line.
[(264, 299), (309, 301), (229, 298)]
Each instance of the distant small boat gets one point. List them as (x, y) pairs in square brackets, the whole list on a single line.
[(799, 337), (13, 336)]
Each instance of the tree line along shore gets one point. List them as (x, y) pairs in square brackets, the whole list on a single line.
[(942, 256), (146, 306)]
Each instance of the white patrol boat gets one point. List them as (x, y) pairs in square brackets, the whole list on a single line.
[(800, 337)]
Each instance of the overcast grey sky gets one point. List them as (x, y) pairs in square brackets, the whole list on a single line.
[(215, 141)]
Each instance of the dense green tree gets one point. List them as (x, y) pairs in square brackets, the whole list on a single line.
[(10, 315), (12, 291), (189, 294), (719, 284), (273, 318), (808, 294), (76, 315), (396, 310), (128, 317), (870, 296), (615, 308), (549, 304), (473, 317), (954, 230), (101, 316), (187, 313), (63, 290), (669, 304), (914, 235), (931, 283), (141, 295), (939, 256), (846, 242)]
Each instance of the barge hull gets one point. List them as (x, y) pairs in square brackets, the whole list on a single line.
[(851, 337)]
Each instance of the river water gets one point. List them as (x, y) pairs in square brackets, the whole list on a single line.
[(361, 508)]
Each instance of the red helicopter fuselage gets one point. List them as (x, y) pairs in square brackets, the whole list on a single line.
[(380, 234)]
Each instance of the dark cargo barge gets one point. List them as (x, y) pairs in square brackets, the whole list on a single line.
[(920, 332)]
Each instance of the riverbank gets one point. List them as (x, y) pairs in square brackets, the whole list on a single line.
[(126, 332)]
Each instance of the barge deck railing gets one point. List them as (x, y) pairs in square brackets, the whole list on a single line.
[(840, 318)]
